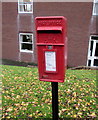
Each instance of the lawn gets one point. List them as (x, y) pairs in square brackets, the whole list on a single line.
[(24, 96)]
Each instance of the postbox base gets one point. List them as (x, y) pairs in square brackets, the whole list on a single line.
[(50, 80)]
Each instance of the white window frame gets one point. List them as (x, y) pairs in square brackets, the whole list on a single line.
[(92, 57), (24, 4), (21, 42), (94, 7)]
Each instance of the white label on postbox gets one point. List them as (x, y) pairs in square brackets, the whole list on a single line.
[(50, 60)]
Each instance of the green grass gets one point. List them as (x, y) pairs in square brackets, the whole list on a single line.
[(24, 96)]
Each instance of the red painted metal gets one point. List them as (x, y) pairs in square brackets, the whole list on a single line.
[(51, 48)]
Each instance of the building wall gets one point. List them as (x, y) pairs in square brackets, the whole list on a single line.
[(93, 22), (9, 31), (78, 17), (13, 24)]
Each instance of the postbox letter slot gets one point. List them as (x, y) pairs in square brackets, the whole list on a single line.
[(49, 29)]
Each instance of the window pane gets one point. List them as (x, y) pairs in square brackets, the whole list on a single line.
[(22, 9), (28, 7), (91, 48), (95, 62), (27, 38), (89, 62), (26, 46), (94, 37), (96, 9), (25, 5), (96, 51)]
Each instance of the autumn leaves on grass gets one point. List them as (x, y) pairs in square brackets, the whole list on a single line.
[(24, 96)]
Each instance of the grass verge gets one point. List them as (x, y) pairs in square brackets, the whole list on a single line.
[(25, 97)]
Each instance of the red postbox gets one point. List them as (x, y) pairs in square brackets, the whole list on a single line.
[(51, 48)]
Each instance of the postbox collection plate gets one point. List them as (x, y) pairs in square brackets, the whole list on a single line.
[(50, 61)]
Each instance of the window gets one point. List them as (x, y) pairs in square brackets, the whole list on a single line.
[(93, 51), (95, 7), (26, 42), (25, 6)]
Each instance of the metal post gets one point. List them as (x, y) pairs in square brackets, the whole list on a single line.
[(55, 100)]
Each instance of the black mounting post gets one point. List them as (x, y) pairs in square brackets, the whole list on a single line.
[(55, 100)]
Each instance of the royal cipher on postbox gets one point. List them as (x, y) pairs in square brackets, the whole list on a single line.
[(51, 48)]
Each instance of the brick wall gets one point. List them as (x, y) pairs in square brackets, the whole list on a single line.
[(78, 17)]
